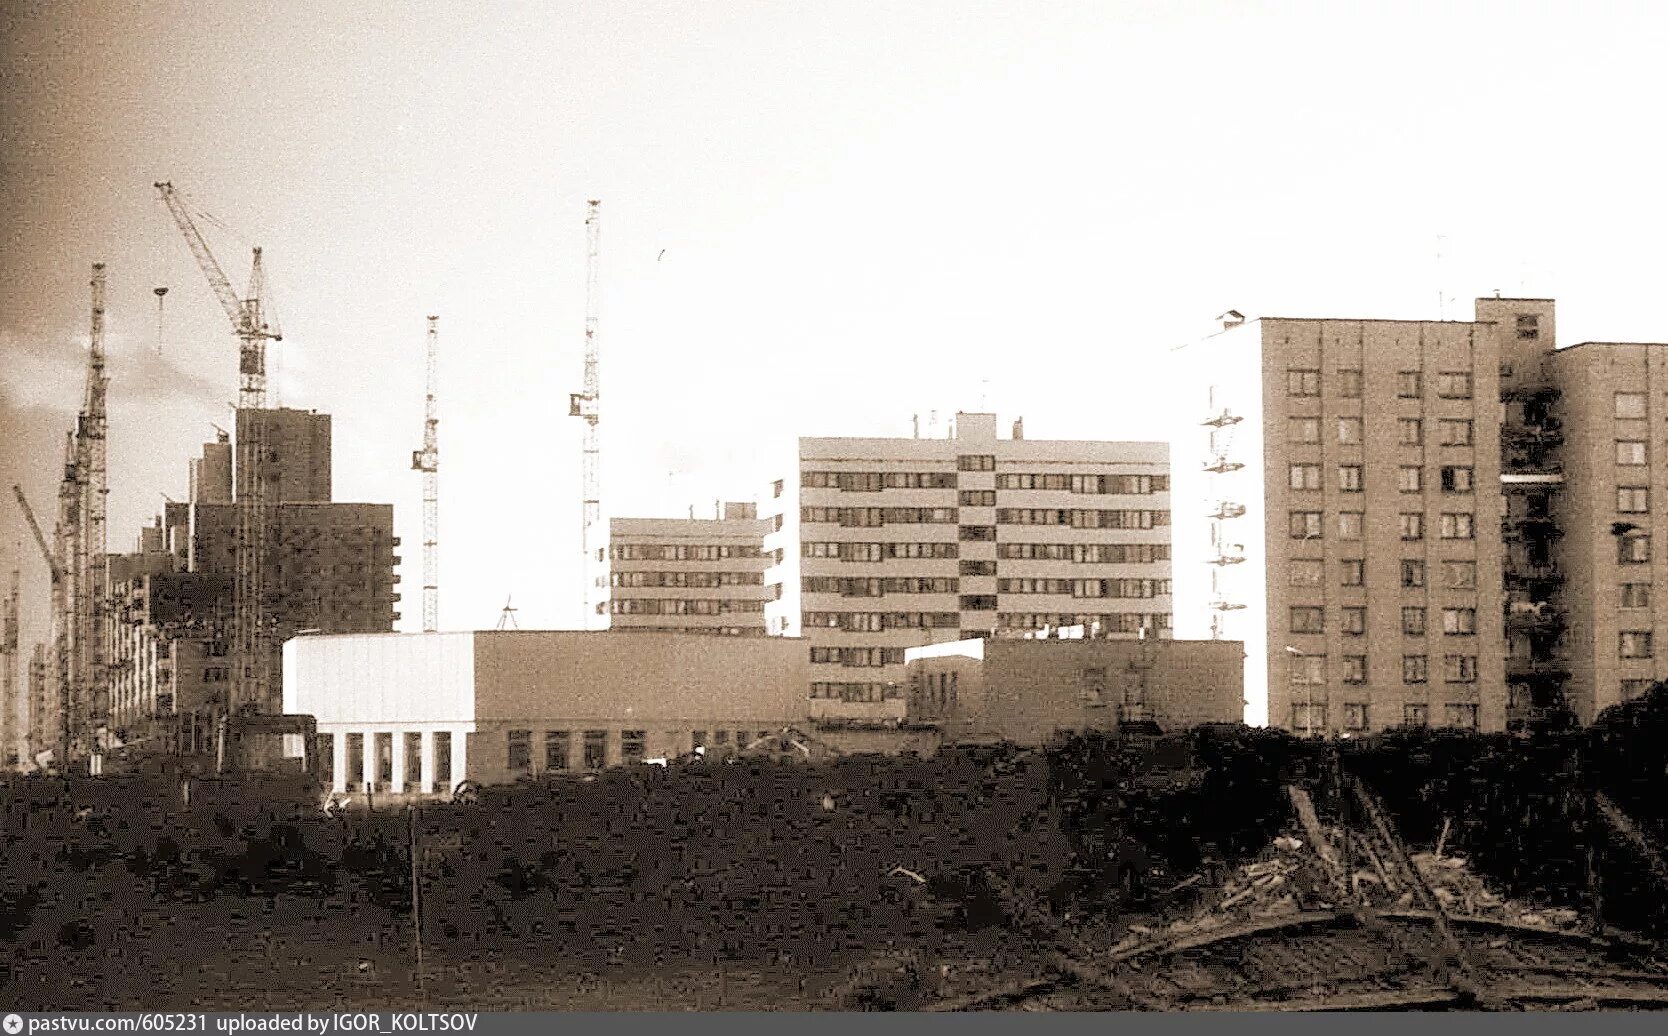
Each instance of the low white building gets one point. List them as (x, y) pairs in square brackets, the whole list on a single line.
[(418, 713)]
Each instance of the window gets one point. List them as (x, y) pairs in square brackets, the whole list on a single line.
[(977, 533), (1461, 715), (1454, 431), (1409, 385), (978, 498), (1459, 668), (1634, 688), (1308, 716), (1635, 644), (1636, 595), (1630, 405), (1353, 572), (556, 750), (1528, 325), (1413, 574), (1349, 525), (976, 462), (1459, 575), (978, 602), (1458, 622), (1633, 499), (776, 488), (1415, 668), (1306, 572), (1457, 527), (520, 750), (1349, 384), (1303, 429), (1456, 479), (1410, 431), (1308, 670), (633, 746), (596, 749), (1413, 526), (1307, 619), (1416, 715), (1634, 548), (1305, 476), (1349, 478), (1354, 620), (1303, 383), (1349, 431), (1355, 668), (1410, 478), (978, 568), (1305, 525), (1355, 716), (1630, 451), (1413, 622), (1453, 385)]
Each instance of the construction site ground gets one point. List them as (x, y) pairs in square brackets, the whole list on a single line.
[(1239, 870)]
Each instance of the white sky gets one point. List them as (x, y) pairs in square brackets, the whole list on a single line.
[(867, 210)]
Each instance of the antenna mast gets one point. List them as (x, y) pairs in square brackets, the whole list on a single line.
[(586, 405), (427, 460)]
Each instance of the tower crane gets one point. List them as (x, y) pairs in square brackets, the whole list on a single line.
[(587, 405), (11, 722), (92, 603), (60, 633), (250, 325), (427, 460)]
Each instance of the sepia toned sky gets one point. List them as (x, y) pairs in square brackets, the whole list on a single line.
[(818, 218)]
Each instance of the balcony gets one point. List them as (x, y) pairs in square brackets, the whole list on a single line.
[(1547, 434), (1532, 388), (1538, 616), (1518, 668), (1222, 465), (1227, 511), (1529, 576)]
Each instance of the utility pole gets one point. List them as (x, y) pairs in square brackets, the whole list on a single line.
[(587, 405), (427, 460)]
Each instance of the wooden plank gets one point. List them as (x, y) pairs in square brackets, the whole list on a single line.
[(1377, 1000), (1623, 825)]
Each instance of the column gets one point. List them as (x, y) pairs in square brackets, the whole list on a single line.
[(425, 769), (338, 761), (460, 754), (397, 776), (369, 756)]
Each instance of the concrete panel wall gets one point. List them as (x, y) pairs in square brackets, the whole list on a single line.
[(379, 679)]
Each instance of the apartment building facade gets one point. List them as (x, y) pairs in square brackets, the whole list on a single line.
[(878, 545), (1608, 407), (1341, 488), (691, 575)]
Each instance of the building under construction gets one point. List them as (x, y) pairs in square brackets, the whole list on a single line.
[(327, 567)]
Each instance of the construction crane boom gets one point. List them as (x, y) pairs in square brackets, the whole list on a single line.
[(427, 460), (587, 405), (52, 565)]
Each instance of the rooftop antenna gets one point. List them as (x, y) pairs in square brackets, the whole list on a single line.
[(506, 618)]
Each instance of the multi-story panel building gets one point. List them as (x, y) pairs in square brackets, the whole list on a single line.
[(1341, 486), (295, 465), (1608, 410), (884, 544), (690, 575)]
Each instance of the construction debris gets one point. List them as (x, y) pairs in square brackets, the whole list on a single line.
[(1463, 894)]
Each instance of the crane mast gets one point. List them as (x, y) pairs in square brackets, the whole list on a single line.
[(249, 322), (587, 405), (12, 723), (92, 455), (42, 731), (427, 460)]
